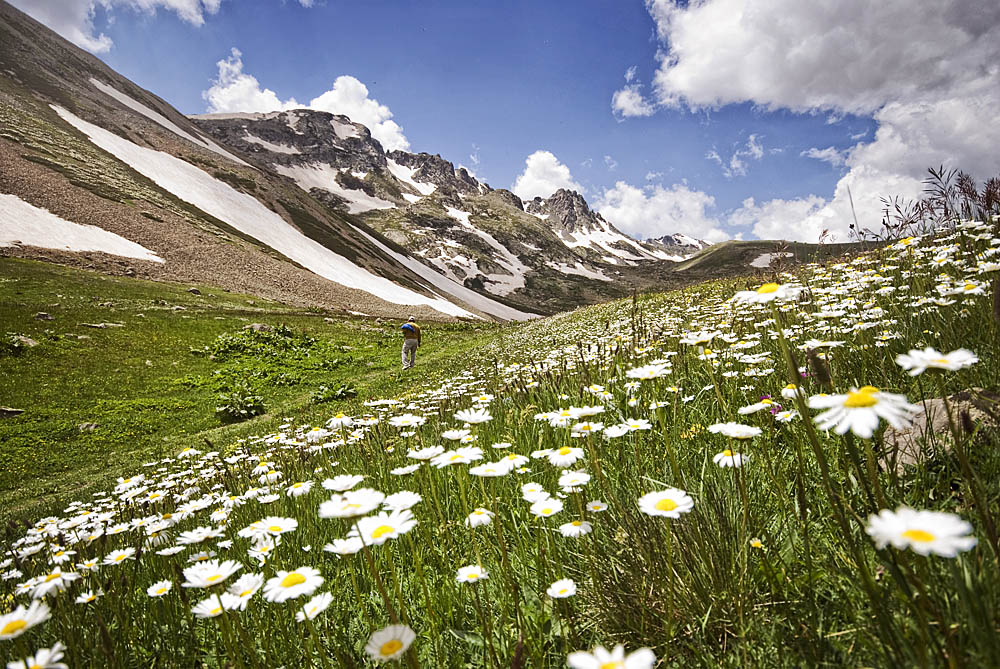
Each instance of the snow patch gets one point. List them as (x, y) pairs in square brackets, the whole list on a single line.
[(411, 198), (405, 174), (323, 175), (498, 284), (764, 260), (577, 269), (343, 130), (22, 223), (274, 148), (161, 120), (250, 217)]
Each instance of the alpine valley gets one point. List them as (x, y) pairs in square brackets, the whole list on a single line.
[(302, 206)]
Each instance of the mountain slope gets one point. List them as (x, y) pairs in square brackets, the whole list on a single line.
[(93, 149)]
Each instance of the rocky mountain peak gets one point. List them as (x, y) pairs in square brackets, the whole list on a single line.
[(566, 210), (432, 168)]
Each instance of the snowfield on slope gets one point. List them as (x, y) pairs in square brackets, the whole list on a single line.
[(321, 175), (162, 120), (249, 216), (22, 223)]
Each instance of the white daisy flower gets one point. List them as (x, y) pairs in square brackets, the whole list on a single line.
[(926, 532)]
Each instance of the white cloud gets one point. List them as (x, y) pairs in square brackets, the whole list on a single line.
[(655, 211), (828, 155), (653, 176), (736, 166), (611, 163), (74, 19), (236, 91), (932, 83), (543, 175), (629, 102)]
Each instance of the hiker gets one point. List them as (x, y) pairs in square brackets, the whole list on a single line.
[(411, 342)]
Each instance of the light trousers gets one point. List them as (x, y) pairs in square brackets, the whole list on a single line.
[(409, 353)]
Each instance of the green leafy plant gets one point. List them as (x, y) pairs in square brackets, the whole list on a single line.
[(329, 394), (239, 403)]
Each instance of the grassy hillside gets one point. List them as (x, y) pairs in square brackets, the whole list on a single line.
[(725, 479), (99, 402)]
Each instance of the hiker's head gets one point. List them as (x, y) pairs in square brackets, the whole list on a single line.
[(411, 319)]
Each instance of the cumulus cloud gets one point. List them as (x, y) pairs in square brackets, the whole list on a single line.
[(655, 211), (736, 166), (236, 91), (629, 101), (543, 175), (74, 19), (932, 83), (828, 155)]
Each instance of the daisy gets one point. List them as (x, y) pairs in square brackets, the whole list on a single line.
[(926, 532), (765, 403), (352, 503), (344, 547), (577, 528), (291, 584), (615, 431), (117, 557), (916, 361), (728, 458), (492, 469), (20, 620), (587, 428), (211, 606), (566, 456), (243, 588), (549, 506), (426, 453), (89, 596), (376, 530), (767, 293), (56, 580), (44, 658), (342, 482), (455, 435), (299, 488), (339, 421), (860, 409), (670, 503), (197, 535), (734, 430), (600, 658), (314, 607), (389, 642), (648, 371), (471, 574), (479, 517), (564, 587), (473, 416), (573, 479), (159, 588), (209, 573), (597, 506), (404, 499), (403, 471)]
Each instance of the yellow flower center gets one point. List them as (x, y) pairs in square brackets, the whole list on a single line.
[(292, 580), (919, 535), (213, 578), (666, 504), (546, 511), (216, 611), (53, 576), (863, 398), (390, 647), (246, 593), (565, 450), (767, 288), (456, 457), (576, 523), (727, 453), (381, 531), (161, 591), (274, 528), (563, 591), (614, 664), (13, 627)]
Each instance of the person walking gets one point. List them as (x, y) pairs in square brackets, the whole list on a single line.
[(411, 342)]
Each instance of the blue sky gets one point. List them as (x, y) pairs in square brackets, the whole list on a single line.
[(727, 108)]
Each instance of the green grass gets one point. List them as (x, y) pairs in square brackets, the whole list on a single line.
[(772, 565), (145, 389)]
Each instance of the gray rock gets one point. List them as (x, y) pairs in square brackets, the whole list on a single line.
[(10, 412), (975, 409), (86, 427), (259, 327), (102, 326), (194, 291), (43, 316), (26, 341)]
